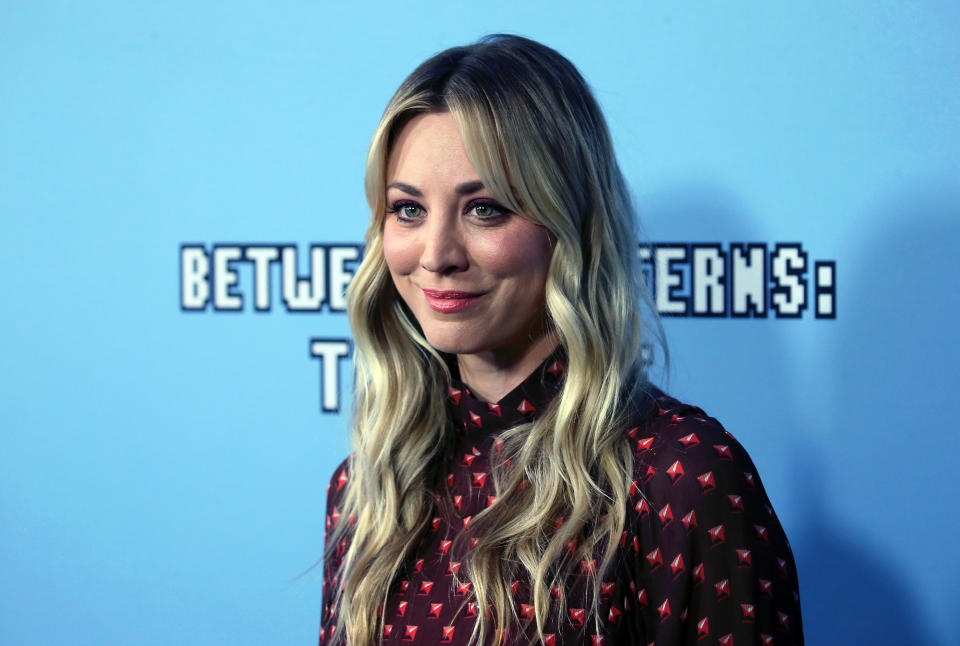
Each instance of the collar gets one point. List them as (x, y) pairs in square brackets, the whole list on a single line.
[(524, 403)]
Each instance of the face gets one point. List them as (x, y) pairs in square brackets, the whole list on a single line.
[(472, 273)]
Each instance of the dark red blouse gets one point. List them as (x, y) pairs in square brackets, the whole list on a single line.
[(703, 559)]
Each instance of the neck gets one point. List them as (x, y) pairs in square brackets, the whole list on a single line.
[(491, 375)]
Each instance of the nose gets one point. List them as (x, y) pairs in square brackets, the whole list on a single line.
[(444, 251)]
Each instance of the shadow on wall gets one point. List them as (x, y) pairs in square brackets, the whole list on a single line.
[(849, 594), (892, 367), (719, 364), (891, 450)]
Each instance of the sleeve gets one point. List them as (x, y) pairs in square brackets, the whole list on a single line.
[(710, 562), (332, 554)]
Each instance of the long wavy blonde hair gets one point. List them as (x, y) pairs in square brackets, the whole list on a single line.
[(539, 142)]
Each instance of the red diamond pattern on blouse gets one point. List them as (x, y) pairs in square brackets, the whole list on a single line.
[(689, 520), (707, 482), (675, 472), (555, 368), (525, 408), (722, 575)]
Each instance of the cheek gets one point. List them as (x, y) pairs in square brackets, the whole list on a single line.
[(523, 254), (398, 252)]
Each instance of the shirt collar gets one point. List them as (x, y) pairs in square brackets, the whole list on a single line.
[(524, 403)]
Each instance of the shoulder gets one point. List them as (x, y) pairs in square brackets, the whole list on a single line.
[(682, 454), (702, 532)]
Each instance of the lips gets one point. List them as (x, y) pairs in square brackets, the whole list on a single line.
[(449, 301)]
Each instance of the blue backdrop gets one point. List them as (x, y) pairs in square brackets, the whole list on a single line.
[(163, 464)]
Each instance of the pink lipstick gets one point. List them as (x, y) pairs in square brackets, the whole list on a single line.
[(450, 301)]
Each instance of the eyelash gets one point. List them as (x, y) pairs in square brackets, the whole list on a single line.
[(397, 207)]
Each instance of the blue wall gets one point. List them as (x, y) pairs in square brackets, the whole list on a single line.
[(163, 472)]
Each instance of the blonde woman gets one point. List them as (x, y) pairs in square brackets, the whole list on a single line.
[(515, 479)]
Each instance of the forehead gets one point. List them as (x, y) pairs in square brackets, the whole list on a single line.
[(430, 148)]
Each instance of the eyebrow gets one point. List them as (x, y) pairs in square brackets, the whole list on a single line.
[(460, 189)]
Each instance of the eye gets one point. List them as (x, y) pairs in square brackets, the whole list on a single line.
[(410, 211), (406, 210), (486, 209)]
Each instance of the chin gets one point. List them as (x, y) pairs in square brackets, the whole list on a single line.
[(457, 338), (444, 343)]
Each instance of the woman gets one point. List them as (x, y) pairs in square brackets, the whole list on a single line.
[(515, 478)]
